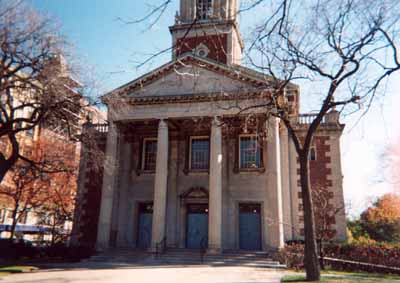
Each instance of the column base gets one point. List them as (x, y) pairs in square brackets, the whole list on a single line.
[(214, 251), (101, 248)]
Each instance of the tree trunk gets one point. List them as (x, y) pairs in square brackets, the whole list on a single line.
[(311, 262), (14, 223), (321, 253), (5, 165)]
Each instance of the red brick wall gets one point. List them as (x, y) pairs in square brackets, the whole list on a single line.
[(91, 199), (320, 179), (217, 44)]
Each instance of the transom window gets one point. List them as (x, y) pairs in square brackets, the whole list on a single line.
[(149, 154), (249, 152), (204, 8), (199, 153)]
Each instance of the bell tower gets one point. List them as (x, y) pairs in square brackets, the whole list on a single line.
[(208, 28)]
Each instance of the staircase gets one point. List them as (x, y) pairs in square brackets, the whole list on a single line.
[(175, 256)]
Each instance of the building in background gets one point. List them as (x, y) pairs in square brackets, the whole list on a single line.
[(48, 141)]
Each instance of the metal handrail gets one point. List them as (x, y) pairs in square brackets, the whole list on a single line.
[(203, 247), (161, 247)]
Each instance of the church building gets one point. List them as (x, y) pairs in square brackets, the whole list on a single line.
[(183, 164)]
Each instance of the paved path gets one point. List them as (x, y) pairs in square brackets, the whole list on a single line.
[(150, 275)]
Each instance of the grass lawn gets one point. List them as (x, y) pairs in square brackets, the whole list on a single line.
[(5, 270), (346, 277)]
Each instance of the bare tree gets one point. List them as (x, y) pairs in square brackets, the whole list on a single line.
[(346, 49), (325, 214), (36, 86)]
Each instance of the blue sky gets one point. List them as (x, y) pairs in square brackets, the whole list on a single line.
[(111, 48)]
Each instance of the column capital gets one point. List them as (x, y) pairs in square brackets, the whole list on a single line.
[(162, 123), (216, 121)]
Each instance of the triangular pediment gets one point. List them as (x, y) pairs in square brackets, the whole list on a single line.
[(192, 75)]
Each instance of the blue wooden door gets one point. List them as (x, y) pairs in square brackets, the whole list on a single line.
[(249, 227), (145, 222), (197, 227)]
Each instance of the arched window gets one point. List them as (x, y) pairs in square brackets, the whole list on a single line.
[(204, 9)]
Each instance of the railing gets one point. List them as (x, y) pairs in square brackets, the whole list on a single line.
[(102, 128), (161, 247), (331, 118), (203, 248), (306, 119)]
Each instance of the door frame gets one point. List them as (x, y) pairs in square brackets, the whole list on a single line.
[(262, 221), (138, 212), (187, 218)]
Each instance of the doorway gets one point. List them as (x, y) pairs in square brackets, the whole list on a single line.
[(145, 222), (197, 226), (250, 227)]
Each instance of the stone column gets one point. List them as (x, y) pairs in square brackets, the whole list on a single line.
[(294, 189), (110, 177), (215, 188), (276, 233), (285, 177), (160, 185)]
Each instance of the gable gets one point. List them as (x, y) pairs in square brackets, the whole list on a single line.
[(192, 79)]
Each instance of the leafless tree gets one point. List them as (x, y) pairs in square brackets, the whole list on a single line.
[(345, 49), (36, 86)]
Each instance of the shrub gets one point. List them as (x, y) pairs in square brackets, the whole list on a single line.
[(362, 251), (292, 255)]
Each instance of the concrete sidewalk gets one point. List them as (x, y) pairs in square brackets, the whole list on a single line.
[(190, 274)]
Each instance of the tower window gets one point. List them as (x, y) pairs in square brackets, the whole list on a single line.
[(312, 155), (204, 9)]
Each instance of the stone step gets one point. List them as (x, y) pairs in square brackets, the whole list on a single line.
[(187, 257)]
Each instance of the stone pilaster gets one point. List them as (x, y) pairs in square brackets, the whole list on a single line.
[(215, 194), (274, 198), (160, 185), (108, 189)]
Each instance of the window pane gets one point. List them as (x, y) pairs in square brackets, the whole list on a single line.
[(150, 155), (203, 9), (312, 156), (200, 153), (249, 153)]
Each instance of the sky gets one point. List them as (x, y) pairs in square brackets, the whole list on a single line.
[(112, 49)]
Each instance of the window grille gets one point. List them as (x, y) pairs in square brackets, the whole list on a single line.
[(150, 155), (200, 153), (250, 155), (204, 9)]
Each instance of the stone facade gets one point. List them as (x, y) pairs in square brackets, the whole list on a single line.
[(198, 95)]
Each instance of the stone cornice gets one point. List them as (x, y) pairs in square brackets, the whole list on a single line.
[(189, 98)]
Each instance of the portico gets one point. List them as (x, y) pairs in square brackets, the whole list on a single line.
[(171, 180)]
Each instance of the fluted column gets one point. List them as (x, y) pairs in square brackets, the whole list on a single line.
[(108, 188), (160, 185), (215, 195), (276, 232)]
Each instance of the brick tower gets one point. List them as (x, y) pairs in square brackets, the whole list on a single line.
[(208, 28)]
